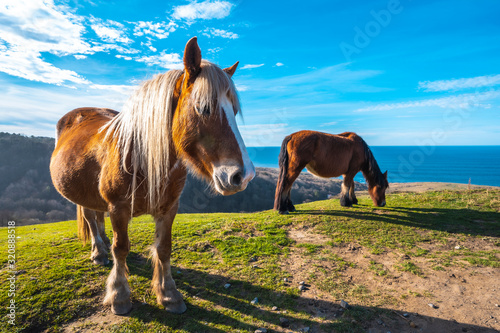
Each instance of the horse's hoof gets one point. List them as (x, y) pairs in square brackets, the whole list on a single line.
[(100, 259), (103, 261), (355, 202), (283, 212), (345, 202), (177, 307), (121, 308), (292, 209)]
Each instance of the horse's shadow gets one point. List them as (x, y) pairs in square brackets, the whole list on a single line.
[(462, 220), (227, 307)]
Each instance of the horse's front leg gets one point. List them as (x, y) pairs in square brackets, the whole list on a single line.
[(117, 289), (352, 195), (163, 284), (345, 201)]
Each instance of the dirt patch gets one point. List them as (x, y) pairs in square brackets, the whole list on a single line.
[(98, 322), (463, 299)]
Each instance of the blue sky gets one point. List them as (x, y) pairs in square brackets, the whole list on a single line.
[(396, 72)]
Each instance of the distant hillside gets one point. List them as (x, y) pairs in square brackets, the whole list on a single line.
[(28, 196)]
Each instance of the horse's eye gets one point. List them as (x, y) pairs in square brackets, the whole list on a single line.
[(205, 111)]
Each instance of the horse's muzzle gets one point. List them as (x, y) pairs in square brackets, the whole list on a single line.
[(232, 179)]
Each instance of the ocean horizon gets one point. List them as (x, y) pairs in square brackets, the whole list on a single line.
[(449, 164)]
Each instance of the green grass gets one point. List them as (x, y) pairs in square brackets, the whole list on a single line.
[(61, 285)]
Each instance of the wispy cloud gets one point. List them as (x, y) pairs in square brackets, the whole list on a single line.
[(160, 30), (279, 64), (450, 102), (458, 84), (205, 10), (250, 66), (110, 31), (210, 32), (329, 124), (164, 59)]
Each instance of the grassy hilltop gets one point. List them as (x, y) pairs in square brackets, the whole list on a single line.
[(440, 248)]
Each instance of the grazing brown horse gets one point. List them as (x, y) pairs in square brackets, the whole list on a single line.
[(135, 162), (327, 155)]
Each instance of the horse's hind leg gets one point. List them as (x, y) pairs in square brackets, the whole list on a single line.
[(163, 284), (102, 229), (289, 204), (117, 289), (99, 254)]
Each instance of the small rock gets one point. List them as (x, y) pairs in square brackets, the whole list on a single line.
[(405, 257), (405, 315), (274, 308), (379, 321), (344, 304), (285, 280), (302, 283), (305, 329), (453, 276), (458, 247), (179, 272), (497, 305), (20, 272), (463, 280), (227, 285), (412, 324), (255, 266), (255, 301), (253, 259), (302, 288), (260, 330), (284, 322), (434, 306)]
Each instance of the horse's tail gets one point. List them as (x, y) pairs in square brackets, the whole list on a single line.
[(283, 163), (83, 226)]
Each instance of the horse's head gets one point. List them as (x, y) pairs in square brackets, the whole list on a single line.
[(377, 192), (204, 125)]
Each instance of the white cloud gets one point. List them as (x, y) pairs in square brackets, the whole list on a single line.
[(120, 56), (159, 30), (457, 84), (205, 10), (38, 114), (79, 56), (165, 60), (450, 102), (210, 32), (110, 31), (250, 66), (28, 65), (279, 64)]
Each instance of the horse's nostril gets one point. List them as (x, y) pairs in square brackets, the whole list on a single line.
[(237, 178)]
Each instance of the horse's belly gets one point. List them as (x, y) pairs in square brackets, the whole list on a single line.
[(321, 172), (77, 181)]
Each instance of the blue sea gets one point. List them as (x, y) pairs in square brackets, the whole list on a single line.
[(450, 164)]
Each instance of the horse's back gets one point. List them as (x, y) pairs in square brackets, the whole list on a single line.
[(328, 155), (97, 116)]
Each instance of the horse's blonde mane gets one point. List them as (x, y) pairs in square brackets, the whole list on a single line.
[(143, 127)]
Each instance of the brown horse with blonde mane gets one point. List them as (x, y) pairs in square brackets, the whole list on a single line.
[(327, 155), (135, 162)]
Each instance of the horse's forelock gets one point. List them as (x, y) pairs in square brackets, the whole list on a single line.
[(210, 86)]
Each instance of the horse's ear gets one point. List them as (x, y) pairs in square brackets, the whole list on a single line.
[(230, 70), (192, 57), (385, 174)]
